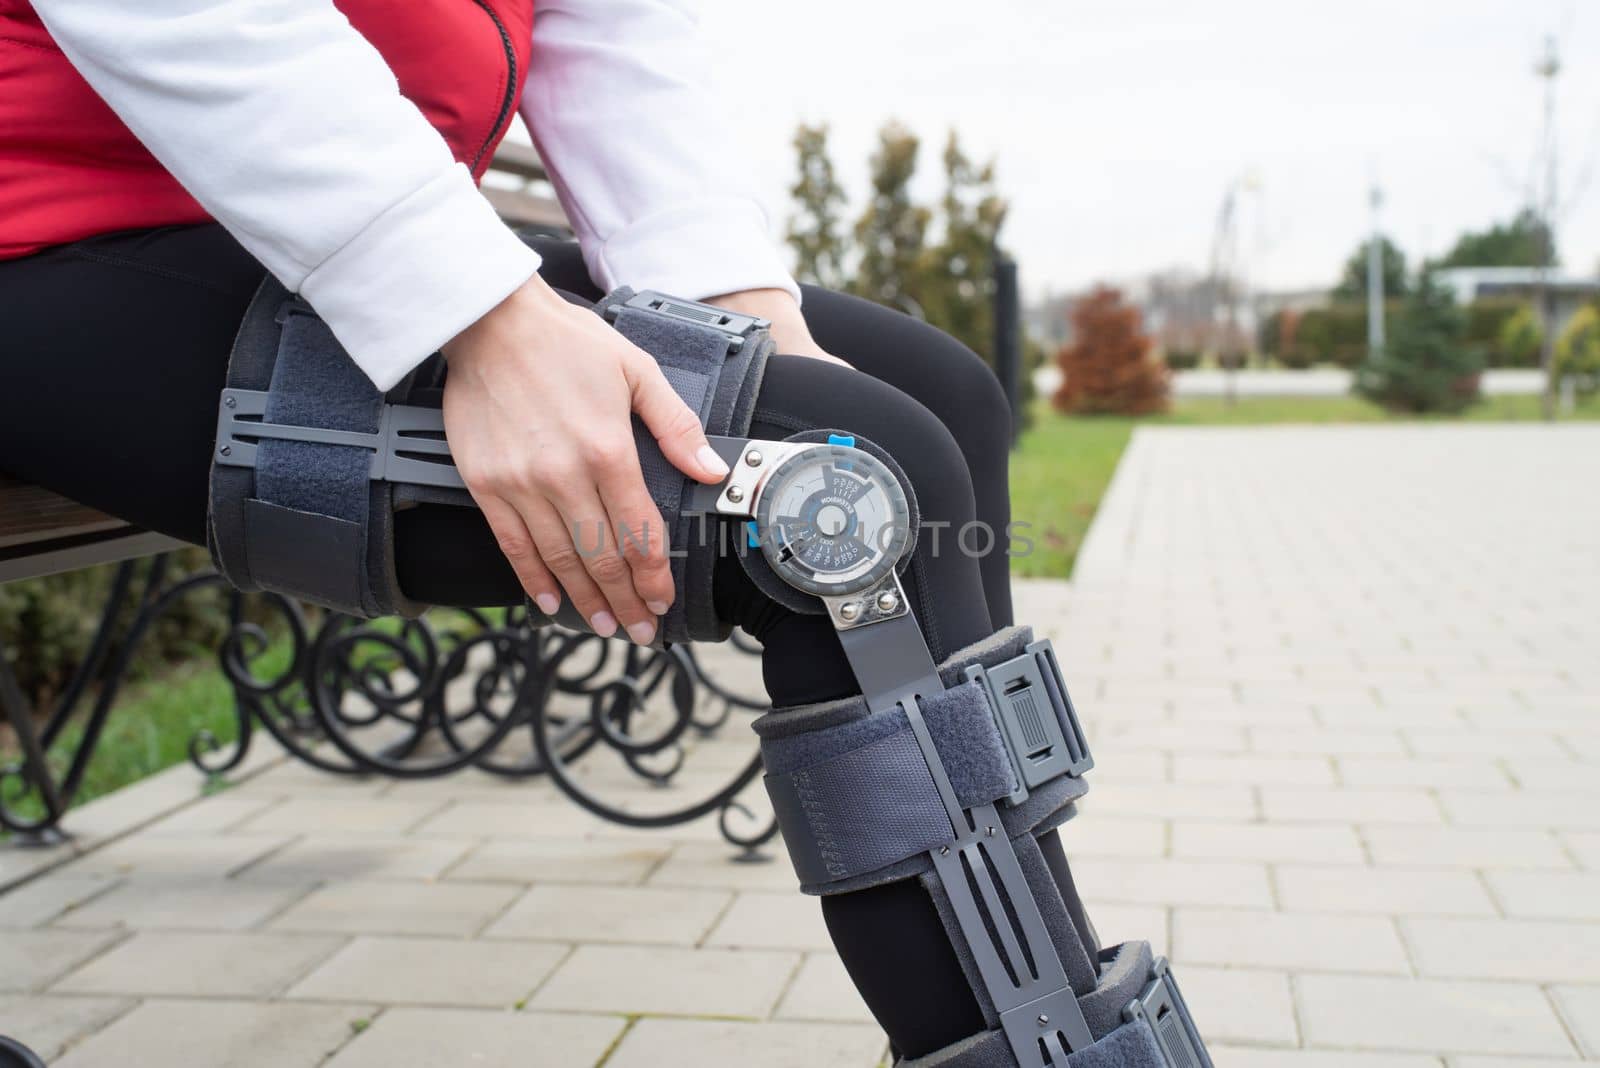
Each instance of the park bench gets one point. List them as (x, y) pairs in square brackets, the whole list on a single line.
[(407, 699)]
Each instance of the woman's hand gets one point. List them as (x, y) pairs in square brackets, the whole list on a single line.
[(789, 328), (536, 409)]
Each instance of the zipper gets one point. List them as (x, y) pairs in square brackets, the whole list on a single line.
[(510, 99)]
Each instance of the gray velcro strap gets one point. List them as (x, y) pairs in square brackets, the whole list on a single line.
[(305, 530), (859, 796), (850, 794)]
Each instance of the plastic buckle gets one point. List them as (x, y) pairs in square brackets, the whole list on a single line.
[(1163, 1008), (1037, 722), (735, 325)]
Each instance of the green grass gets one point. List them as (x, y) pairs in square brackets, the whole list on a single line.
[(151, 724), (1063, 465), (1058, 475)]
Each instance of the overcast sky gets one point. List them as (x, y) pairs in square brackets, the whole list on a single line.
[(1118, 125)]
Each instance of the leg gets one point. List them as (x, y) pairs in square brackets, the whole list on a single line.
[(153, 315), (953, 383), (889, 936), (114, 354)]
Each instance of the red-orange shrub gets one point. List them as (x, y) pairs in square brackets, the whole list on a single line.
[(1108, 368)]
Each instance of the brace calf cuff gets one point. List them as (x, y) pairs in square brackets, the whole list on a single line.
[(856, 798)]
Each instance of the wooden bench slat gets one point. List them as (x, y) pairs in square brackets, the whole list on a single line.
[(30, 514)]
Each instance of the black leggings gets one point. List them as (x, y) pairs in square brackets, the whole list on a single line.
[(113, 353)]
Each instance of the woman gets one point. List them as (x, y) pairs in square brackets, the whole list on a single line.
[(158, 159)]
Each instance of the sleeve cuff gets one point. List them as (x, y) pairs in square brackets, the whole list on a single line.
[(702, 249), (417, 275)]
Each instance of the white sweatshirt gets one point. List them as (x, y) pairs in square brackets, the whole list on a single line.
[(289, 128)]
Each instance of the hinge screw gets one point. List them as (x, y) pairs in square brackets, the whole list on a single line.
[(227, 450), (991, 832), (753, 458), (735, 494), (1043, 1019), (944, 851), (230, 402)]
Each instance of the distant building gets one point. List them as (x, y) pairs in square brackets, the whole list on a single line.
[(1182, 312), (1568, 292), (1298, 301)]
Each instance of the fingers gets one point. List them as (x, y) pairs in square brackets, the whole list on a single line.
[(676, 429), (634, 519), (519, 548), (594, 543), (608, 554), (554, 540)]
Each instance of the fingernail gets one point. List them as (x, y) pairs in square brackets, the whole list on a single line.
[(603, 624), (642, 632), (711, 461), (548, 603), (657, 607)]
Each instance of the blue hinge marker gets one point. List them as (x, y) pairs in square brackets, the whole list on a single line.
[(751, 537), (848, 441)]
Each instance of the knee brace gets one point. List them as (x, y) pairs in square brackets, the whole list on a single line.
[(945, 773)]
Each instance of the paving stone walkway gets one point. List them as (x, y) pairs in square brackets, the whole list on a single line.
[(1344, 690)]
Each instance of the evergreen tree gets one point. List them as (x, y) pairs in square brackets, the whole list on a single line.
[(814, 227), (958, 273), (1427, 366), (1518, 243), (892, 231), (1108, 368), (1353, 282)]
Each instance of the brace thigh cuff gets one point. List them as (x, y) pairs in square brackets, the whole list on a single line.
[(312, 461)]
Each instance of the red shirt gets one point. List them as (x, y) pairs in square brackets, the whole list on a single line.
[(70, 168)]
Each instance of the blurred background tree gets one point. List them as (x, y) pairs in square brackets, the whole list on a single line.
[(957, 282), (1108, 368), (1353, 282), (1520, 338), (815, 227), (936, 263), (892, 232), (1577, 357), (1518, 243), (1426, 366)]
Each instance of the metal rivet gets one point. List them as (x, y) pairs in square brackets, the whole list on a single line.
[(887, 601), (850, 610), (735, 494), (753, 458), (1043, 1019), (230, 402), (227, 450)]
